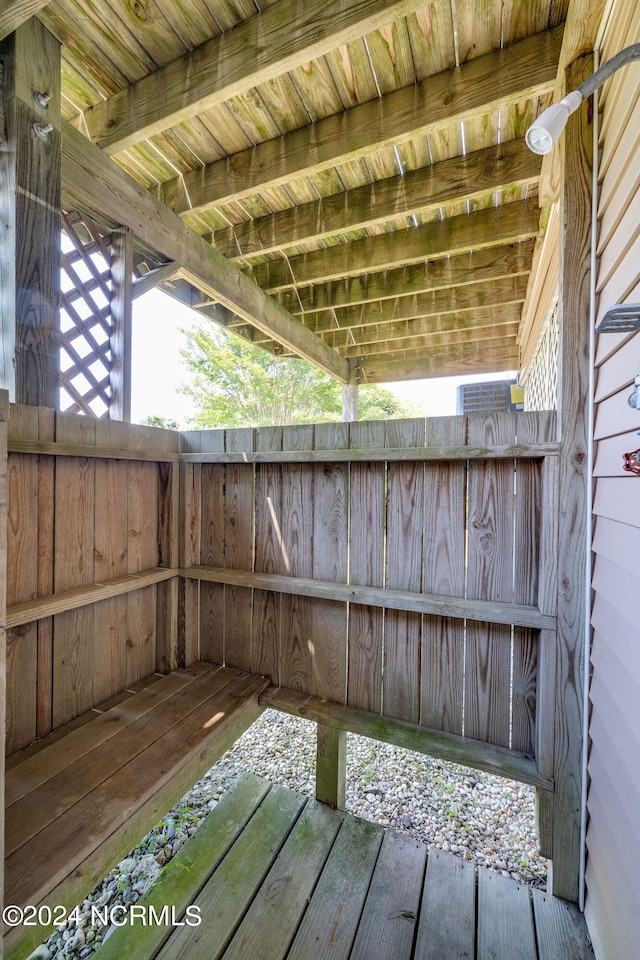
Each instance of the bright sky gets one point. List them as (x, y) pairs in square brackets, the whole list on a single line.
[(158, 370)]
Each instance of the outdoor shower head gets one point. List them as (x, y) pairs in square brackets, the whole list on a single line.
[(546, 130)]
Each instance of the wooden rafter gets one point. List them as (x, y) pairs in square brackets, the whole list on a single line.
[(512, 75), (455, 235), (479, 360), (437, 343), (93, 182), (419, 191), (332, 324), (284, 36), (494, 263), (15, 12), (474, 326)]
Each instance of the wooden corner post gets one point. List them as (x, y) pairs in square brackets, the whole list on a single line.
[(350, 394), (573, 424), (30, 238), (4, 416)]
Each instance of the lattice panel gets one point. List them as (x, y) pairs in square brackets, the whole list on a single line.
[(540, 379), (85, 317)]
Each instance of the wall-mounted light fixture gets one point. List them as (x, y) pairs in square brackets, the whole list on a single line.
[(546, 130)]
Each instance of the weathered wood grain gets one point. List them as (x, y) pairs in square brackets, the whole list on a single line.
[(389, 918), (511, 75), (493, 264), (121, 309), (238, 550), (287, 887), (74, 559), (505, 919), (31, 200), (461, 178), (96, 183), (404, 535), (210, 545), (331, 766), (270, 557), (471, 451), (366, 567), (442, 663), (257, 50), (490, 575), (408, 601), (455, 235), (330, 922), (573, 372), (441, 930)]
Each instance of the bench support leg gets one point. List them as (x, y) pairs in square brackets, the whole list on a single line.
[(331, 766)]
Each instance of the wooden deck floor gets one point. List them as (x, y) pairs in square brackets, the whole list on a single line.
[(278, 877)]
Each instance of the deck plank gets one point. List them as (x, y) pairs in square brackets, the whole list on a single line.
[(505, 919), (330, 923), (446, 930), (560, 929), (273, 917), (184, 876), (229, 893), (390, 912)]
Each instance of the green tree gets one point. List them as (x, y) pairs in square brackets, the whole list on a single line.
[(153, 420), (237, 384)]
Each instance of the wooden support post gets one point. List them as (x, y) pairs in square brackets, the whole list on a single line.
[(121, 314), (4, 416), (30, 197), (350, 393), (573, 383), (331, 766)]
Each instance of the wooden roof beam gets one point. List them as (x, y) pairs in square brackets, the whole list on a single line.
[(419, 191), (478, 359), (493, 263), (471, 231), (516, 73), (97, 184), (15, 12), (498, 314), (436, 343), (461, 301), (286, 35)]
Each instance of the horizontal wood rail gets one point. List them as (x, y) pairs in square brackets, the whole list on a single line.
[(431, 603), (503, 452), (410, 736), (31, 610), (56, 449)]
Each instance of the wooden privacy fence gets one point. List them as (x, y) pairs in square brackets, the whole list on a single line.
[(402, 568), (393, 578), (91, 572)]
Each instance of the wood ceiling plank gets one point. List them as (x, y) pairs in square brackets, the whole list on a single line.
[(97, 184), (491, 264), (432, 307), (468, 177), (474, 310), (514, 74), (266, 45), (435, 342), (488, 228)]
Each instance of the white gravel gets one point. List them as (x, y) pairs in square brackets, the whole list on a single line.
[(483, 818)]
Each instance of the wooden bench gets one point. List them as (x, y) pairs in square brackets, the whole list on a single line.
[(77, 806)]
